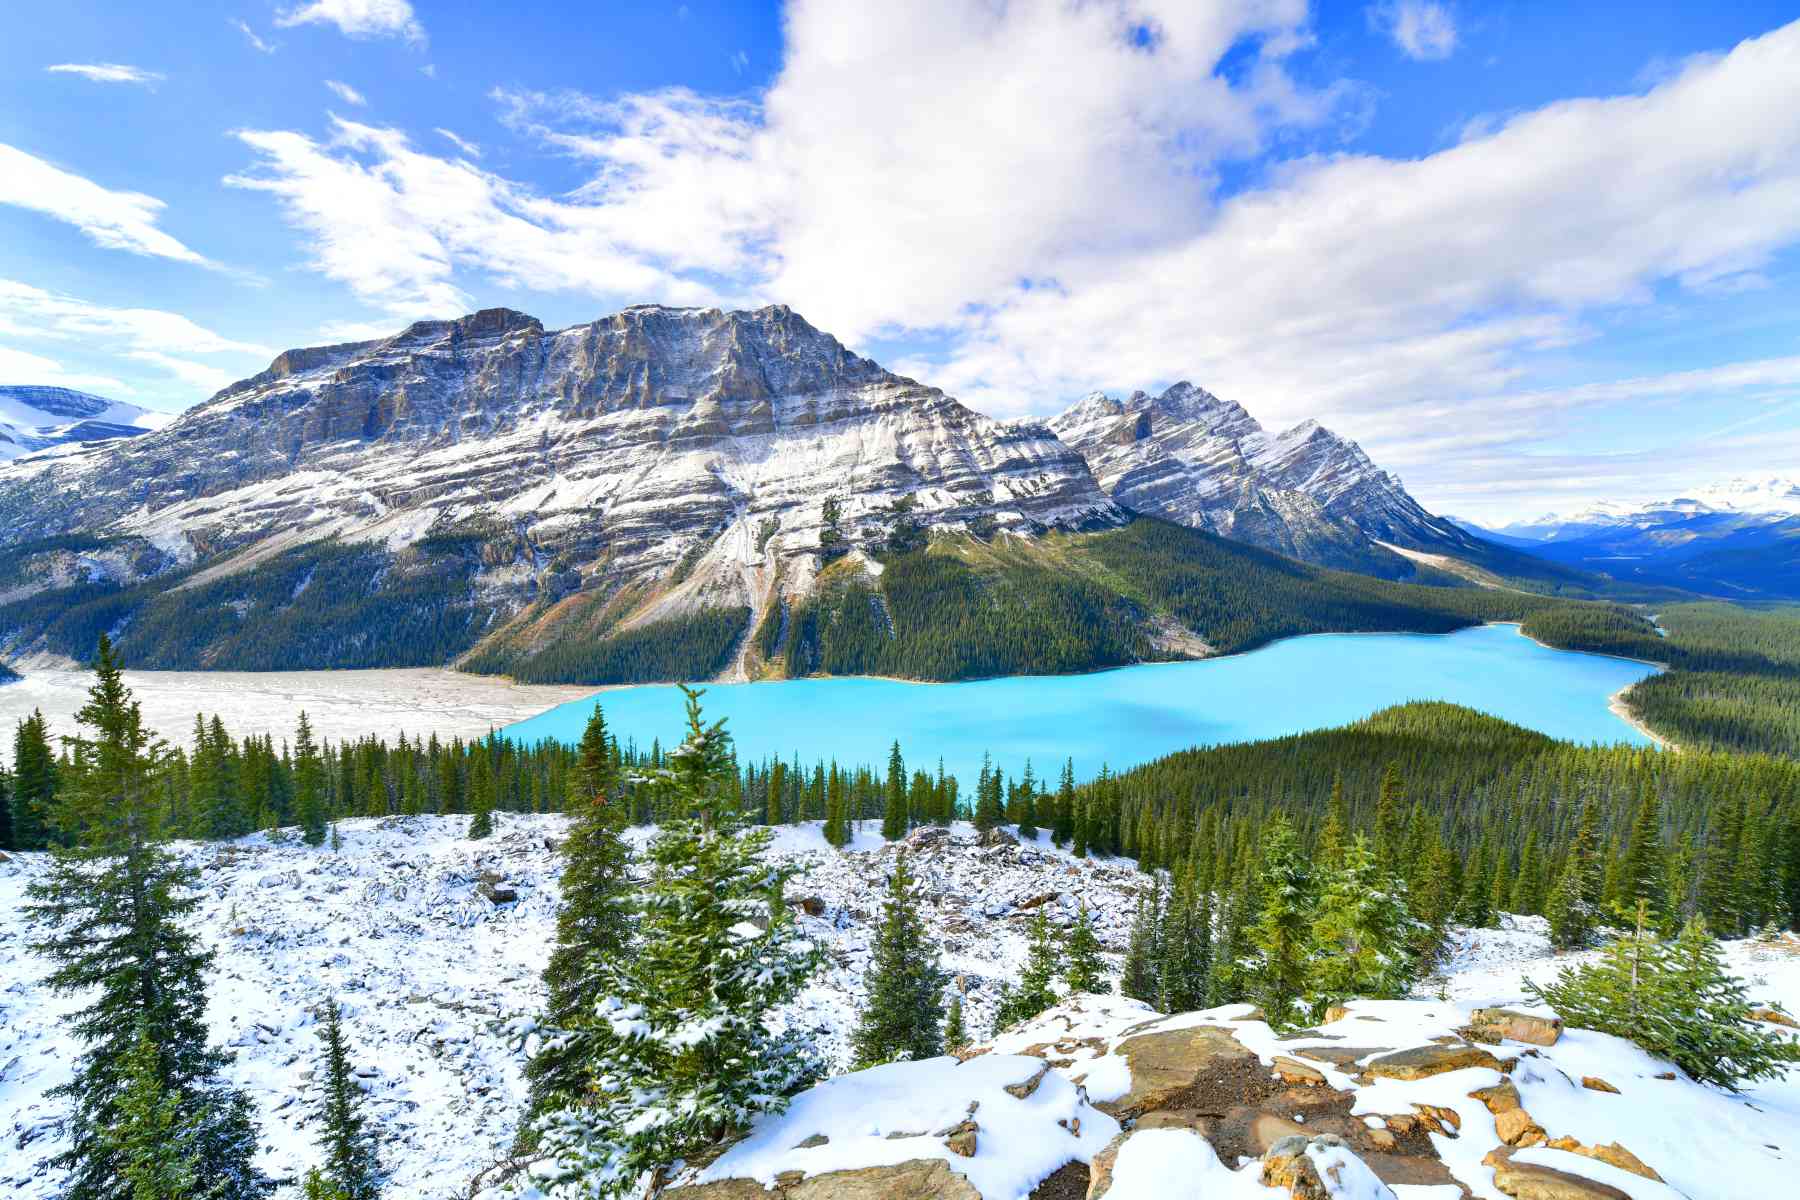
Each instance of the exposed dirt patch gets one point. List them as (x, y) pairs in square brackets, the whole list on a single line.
[(1067, 1182)]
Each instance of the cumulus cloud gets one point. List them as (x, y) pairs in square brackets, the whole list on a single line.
[(116, 220), (358, 18), (1422, 29), (108, 72), (1032, 189), (346, 93)]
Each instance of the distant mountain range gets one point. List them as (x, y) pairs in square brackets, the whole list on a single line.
[(33, 419), (1739, 539), (520, 495)]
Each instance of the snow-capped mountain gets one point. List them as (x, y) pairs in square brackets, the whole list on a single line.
[(1739, 538), (680, 458), (1189, 456), (41, 418)]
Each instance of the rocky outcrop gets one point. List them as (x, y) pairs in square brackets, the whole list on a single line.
[(1188, 456)]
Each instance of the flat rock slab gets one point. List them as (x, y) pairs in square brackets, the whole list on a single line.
[(1342, 1057), (917, 1179), (1533, 1181), (1497, 1024), (1170, 1065), (1422, 1062)]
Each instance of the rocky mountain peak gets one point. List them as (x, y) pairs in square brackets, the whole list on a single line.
[(1190, 456)]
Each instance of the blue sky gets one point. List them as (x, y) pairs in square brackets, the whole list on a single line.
[(1527, 254)]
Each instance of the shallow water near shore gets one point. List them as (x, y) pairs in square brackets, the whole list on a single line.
[(1124, 717)]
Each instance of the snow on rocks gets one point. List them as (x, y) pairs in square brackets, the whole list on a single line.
[(1002, 1122), (432, 942)]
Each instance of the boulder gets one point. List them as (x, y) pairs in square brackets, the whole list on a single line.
[(1594, 1083), (496, 893), (1166, 1064), (1294, 1072), (812, 906), (1511, 1121), (1533, 1181), (1422, 1062), (1500, 1024)]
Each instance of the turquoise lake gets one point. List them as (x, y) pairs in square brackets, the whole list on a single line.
[(1127, 716)]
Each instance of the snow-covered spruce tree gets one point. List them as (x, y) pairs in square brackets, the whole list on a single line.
[(1676, 1000), (1279, 938), (1033, 994), (1362, 933), (680, 1052), (905, 984), (481, 804), (1143, 953), (1084, 970), (592, 928), (352, 1169), (110, 914)]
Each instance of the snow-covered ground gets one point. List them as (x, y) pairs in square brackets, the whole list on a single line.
[(340, 704), (398, 924)]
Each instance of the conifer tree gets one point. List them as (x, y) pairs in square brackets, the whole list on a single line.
[(1361, 934), (1330, 852), (988, 812), (1141, 978), (352, 1169), (682, 1057), (309, 784), (1026, 819), (905, 986), (955, 1035), (481, 805), (1278, 970), (893, 816), (1063, 827), (1573, 904), (33, 783), (1641, 872), (1185, 945), (1033, 993), (1677, 1001), (1390, 820), (1083, 969), (153, 1145), (592, 927), (110, 914)]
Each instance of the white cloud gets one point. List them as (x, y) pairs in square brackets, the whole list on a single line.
[(164, 340), (251, 36), (467, 148), (108, 73), (346, 93), (115, 220), (358, 18), (1054, 224), (394, 223), (19, 366), (1422, 29)]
